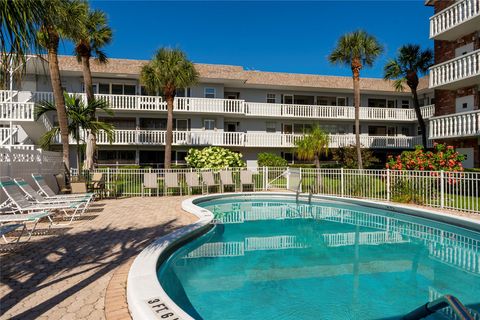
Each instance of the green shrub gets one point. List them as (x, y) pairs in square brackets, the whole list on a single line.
[(214, 157), (266, 159), (347, 157), (302, 165)]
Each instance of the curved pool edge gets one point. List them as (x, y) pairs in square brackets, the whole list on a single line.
[(148, 300)]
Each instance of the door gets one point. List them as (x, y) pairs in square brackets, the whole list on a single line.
[(288, 98), (231, 126)]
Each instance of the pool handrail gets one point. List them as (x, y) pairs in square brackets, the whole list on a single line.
[(433, 306)]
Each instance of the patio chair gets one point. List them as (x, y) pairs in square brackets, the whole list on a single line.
[(150, 181), (47, 192), (38, 198), (192, 180), (171, 181), (12, 222), (246, 179), (226, 180), (98, 184), (20, 203), (209, 180)]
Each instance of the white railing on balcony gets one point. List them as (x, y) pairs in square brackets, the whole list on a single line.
[(17, 111), (459, 68), (8, 136), (453, 16), (7, 95), (455, 125), (249, 139), (228, 106)]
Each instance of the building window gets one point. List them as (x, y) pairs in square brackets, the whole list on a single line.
[(183, 92), (341, 101), (271, 126), (104, 88), (390, 103), (181, 125), (405, 104), (405, 131), (271, 98), (209, 93), (209, 124)]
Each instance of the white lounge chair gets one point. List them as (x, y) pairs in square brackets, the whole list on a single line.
[(171, 181), (246, 179), (209, 180), (150, 181), (12, 222), (19, 202), (47, 192), (226, 180), (193, 181)]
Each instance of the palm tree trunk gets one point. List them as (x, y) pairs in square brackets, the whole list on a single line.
[(421, 122), (356, 95), (58, 95), (316, 161), (169, 134), (92, 139)]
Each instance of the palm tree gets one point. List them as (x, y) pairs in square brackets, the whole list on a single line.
[(405, 68), (94, 35), (168, 71), (61, 20), (356, 49), (312, 146), (80, 122)]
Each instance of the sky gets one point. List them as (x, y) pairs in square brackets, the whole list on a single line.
[(281, 36)]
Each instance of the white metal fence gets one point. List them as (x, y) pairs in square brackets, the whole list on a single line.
[(448, 190)]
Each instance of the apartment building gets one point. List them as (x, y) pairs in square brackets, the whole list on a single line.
[(455, 77), (244, 110)]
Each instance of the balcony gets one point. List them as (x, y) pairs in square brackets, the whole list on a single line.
[(250, 109), (460, 72), (460, 19), (249, 139), (17, 111), (466, 124)]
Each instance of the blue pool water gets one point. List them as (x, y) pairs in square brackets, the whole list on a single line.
[(276, 259)]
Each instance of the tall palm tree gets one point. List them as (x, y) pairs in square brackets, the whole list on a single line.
[(62, 20), (404, 69), (312, 146), (80, 122), (94, 35), (168, 71), (356, 49)]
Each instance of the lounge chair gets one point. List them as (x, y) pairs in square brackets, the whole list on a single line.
[(19, 202), (226, 180), (171, 181), (12, 222), (209, 180), (246, 178), (38, 198), (192, 180), (47, 192), (98, 184), (150, 181)]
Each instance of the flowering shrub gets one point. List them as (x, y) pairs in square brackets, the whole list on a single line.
[(266, 159), (214, 157), (442, 158)]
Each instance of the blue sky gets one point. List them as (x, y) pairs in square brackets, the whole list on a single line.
[(269, 36)]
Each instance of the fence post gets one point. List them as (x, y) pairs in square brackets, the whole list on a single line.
[(388, 185), (108, 181), (300, 180), (442, 189), (342, 182), (265, 178), (288, 178)]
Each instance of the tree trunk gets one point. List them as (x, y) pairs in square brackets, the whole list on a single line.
[(58, 95), (169, 134), (316, 161), (356, 66), (418, 112), (92, 139), (78, 151)]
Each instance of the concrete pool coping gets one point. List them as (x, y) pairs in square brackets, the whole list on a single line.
[(148, 300)]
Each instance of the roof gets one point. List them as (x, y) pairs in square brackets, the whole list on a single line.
[(230, 72)]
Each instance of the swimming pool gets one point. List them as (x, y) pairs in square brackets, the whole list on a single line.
[(275, 258)]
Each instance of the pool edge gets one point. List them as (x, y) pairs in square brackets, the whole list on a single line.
[(143, 285)]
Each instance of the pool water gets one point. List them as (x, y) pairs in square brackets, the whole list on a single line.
[(278, 259)]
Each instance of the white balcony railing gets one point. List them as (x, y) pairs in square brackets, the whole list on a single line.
[(17, 111), (227, 106), (242, 139), (453, 16), (456, 125), (460, 68)]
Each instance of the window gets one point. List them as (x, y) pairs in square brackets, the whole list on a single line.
[(104, 88), (143, 91), (271, 126), (117, 89), (377, 103), (341, 101), (390, 103), (182, 124), (405, 104), (183, 92), (209, 124), (129, 89), (271, 98), (153, 124), (419, 131), (465, 105), (405, 131), (209, 93)]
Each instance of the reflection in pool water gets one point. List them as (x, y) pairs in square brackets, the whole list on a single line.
[(276, 259)]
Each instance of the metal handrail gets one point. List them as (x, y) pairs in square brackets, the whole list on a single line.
[(445, 301)]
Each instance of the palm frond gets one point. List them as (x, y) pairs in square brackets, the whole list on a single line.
[(47, 138)]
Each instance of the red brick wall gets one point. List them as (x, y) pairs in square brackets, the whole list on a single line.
[(442, 4), (445, 99), (445, 50)]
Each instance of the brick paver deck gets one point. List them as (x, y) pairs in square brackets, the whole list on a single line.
[(65, 275)]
